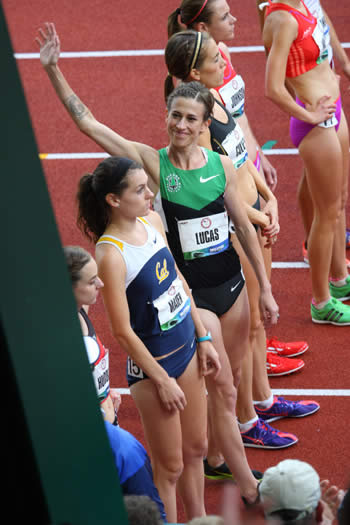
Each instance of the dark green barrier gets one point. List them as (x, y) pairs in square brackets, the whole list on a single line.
[(60, 467)]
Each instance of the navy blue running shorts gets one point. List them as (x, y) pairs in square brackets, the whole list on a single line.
[(175, 364)]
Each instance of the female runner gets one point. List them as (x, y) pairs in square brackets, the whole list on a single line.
[(149, 307), (86, 285), (132, 462), (214, 17), (224, 135), (318, 129), (334, 48), (200, 185)]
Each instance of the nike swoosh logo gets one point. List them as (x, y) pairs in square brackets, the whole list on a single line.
[(209, 178), (234, 287)]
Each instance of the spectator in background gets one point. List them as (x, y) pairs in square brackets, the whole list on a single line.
[(292, 494), (141, 510)]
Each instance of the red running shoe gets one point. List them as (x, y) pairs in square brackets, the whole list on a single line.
[(290, 349), (282, 366)]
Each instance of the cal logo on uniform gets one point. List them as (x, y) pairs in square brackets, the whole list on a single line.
[(173, 182), (162, 273)]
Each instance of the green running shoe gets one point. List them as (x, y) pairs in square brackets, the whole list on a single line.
[(334, 312), (342, 293)]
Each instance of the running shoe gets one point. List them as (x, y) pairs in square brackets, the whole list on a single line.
[(262, 435), (223, 472), (290, 349), (281, 366), (334, 312), (306, 257), (280, 408), (342, 293)]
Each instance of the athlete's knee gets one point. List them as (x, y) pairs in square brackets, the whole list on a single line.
[(328, 215), (255, 324), (195, 449), (223, 397), (168, 470)]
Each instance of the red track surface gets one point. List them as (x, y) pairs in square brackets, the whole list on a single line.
[(126, 94)]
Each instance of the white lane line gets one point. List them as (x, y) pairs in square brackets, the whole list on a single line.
[(285, 264), (137, 52), (290, 392), (312, 392), (102, 155)]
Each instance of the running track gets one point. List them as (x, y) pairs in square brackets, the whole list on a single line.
[(117, 69)]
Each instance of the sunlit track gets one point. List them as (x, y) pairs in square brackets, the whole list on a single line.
[(105, 61), (137, 52)]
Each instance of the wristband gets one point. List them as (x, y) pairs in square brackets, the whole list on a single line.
[(204, 338)]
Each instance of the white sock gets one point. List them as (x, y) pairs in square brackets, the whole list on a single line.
[(339, 282), (266, 403), (244, 427)]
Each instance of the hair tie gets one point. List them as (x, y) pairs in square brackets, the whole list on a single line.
[(196, 51), (197, 15)]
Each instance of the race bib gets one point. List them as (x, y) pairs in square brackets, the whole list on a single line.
[(233, 95), (235, 147), (134, 370), (320, 37), (172, 306), (204, 236), (329, 123)]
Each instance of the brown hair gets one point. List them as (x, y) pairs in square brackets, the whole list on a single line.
[(188, 14), (76, 259), (195, 91), (179, 53), (110, 176)]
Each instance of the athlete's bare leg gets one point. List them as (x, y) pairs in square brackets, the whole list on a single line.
[(230, 338), (172, 457), (322, 155)]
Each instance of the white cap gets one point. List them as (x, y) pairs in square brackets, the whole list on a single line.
[(290, 485)]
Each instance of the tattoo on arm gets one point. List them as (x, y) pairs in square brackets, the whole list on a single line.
[(76, 108)]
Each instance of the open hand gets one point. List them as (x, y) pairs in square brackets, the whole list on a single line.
[(49, 44), (208, 359)]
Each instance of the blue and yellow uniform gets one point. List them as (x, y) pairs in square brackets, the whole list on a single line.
[(160, 309)]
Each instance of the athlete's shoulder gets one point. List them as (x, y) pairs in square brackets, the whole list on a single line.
[(154, 219), (225, 52)]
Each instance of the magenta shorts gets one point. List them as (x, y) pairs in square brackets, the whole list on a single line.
[(299, 129)]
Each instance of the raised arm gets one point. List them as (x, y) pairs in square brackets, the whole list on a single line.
[(249, 241), (109, 140)]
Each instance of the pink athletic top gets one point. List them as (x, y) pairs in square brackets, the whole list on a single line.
[(232, 90), (309, 48)]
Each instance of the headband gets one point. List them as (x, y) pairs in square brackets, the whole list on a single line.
[(196, 51), (197, 15)]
